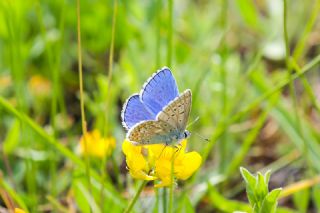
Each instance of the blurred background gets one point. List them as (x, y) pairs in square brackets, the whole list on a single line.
[(254, 103)]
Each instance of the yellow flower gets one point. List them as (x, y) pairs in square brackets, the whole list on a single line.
[(96, 145), (153, 162), (138, 166), (17, 210), (39, 86)]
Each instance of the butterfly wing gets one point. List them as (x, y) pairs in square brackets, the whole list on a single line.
[(134, 111), (159, 90), (151, 132), (177, 112), (170, 123)]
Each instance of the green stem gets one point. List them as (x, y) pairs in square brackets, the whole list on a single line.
[(221, 127), (172, 184), (157, 201), (114, 15), (164, 200), (83, 118), (103, 177), (306, 85), (135, 198), (106, 120), (158, 19), (289, 70), (300, 47), (170, 25), (223, 146), (54, 74), (251, 137), (56, 204), (48, 139), (300, 50), (4, 185), (169, 63)]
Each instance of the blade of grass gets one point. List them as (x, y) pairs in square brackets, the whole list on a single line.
[(135, 198), (83, 118), (249, 139), (220, 128), (223, 146), (171, 189), (306, 85), (225, 205), (158, 28), (15, 42), (112, 193), (53, 66), (13, 194), (298, 186), (106, 129), (169, 63), (57, 205), (300, 46), (169, 39), (289, 71)]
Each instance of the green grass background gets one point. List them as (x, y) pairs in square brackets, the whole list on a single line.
[(255, 83)]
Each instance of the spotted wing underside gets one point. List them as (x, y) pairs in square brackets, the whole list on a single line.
[(170, 123)]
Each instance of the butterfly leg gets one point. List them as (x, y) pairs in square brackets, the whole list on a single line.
[(178, 147), (162, 151)]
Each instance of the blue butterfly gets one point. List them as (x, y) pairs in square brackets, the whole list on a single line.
[(158, 114)]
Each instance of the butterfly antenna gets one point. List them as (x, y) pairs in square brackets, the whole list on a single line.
[(194, 121), (200, 136)]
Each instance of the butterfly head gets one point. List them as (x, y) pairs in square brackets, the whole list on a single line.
[(186, 134)]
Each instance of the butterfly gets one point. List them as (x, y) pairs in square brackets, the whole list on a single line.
[(158, 114)]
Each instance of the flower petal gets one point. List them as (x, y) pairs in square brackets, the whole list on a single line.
[(128, 147), (190, 163), (94, 145), (17, 210), (136, 162), (139, 174)]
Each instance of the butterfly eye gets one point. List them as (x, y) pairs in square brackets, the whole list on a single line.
[(186, 134)]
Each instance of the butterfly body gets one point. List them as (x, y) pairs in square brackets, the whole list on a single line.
[(159, 114)]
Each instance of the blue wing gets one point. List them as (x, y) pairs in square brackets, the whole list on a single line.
[(134, 111), (159, 90)]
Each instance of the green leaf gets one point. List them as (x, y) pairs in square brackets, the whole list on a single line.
[(258, 193), (267, 176), (225, 205), (249, 13), (187, 206), (301, 199), (269, 204), (316, 197), (250, 185), (12, 138), (83, 197), (261, 187), (247, 176)]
